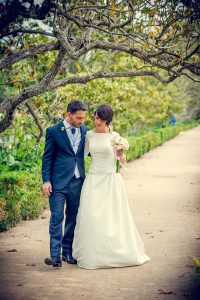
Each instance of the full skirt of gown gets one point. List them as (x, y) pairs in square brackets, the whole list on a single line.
[(105, 235)]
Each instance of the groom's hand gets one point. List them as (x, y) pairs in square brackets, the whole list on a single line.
[(47, 188)]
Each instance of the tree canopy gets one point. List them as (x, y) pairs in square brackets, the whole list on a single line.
[(79, 41)]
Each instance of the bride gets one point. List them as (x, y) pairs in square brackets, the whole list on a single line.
[(105, 234)]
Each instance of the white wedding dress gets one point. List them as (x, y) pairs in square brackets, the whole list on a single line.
[(105, 234)]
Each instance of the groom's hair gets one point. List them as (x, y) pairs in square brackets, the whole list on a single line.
[(76, 105)]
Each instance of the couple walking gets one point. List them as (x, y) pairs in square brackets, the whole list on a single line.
[(99, 231)]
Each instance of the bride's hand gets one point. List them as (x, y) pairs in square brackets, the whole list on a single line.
[(122, 159), (119, 153)]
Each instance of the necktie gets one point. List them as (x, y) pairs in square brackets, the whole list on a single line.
[(73, 130)]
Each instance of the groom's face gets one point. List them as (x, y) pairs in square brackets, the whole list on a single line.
[(77, 119)]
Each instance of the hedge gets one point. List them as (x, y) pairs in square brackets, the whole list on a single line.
[(149, 140), (21, 198)]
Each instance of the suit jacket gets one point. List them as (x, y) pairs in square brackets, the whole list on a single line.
[(59, 159)]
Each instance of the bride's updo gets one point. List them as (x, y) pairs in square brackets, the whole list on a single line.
[(104, 112)]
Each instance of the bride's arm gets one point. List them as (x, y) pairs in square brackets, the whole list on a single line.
[(86, 149)]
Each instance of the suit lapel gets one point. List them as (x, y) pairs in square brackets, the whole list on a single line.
[(63, 131)]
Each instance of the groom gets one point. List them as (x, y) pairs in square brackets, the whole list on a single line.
[(63, 174)]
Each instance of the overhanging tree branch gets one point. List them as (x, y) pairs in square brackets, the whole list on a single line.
[(7, 119), (23, 30), (25, 53), (12, 103), (31, 111), (100, 74)]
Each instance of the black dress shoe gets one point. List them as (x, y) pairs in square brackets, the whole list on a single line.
[(69, 259), (52, 262)]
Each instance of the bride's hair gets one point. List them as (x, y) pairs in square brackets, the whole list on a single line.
[(104, 112)]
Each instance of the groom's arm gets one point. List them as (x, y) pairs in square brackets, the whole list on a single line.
[(48, 156)]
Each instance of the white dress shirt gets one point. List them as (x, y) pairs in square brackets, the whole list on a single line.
[(75, 141)]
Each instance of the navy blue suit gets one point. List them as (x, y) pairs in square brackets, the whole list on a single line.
[(58, 165)]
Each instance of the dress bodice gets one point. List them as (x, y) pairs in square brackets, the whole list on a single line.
[(103, 159)]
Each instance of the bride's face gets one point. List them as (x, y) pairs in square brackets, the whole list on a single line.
[(101, 124)]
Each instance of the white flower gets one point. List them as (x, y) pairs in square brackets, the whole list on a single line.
[(120, 143)]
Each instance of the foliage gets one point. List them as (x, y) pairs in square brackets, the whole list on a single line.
[(189, 94), (20, 197), (51, 44), (138, 103), (147, 140), (18, 147)]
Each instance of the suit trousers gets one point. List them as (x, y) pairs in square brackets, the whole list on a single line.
[(70, 196)]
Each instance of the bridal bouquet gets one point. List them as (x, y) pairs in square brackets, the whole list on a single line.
[(120, 145)]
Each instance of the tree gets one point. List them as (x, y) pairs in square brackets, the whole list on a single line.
[(162, 35)]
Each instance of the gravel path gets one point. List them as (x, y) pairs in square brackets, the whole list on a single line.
[(164, 192)]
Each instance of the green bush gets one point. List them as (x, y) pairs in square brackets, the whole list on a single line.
[(21, 197), (189, 124), (145, 141)]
